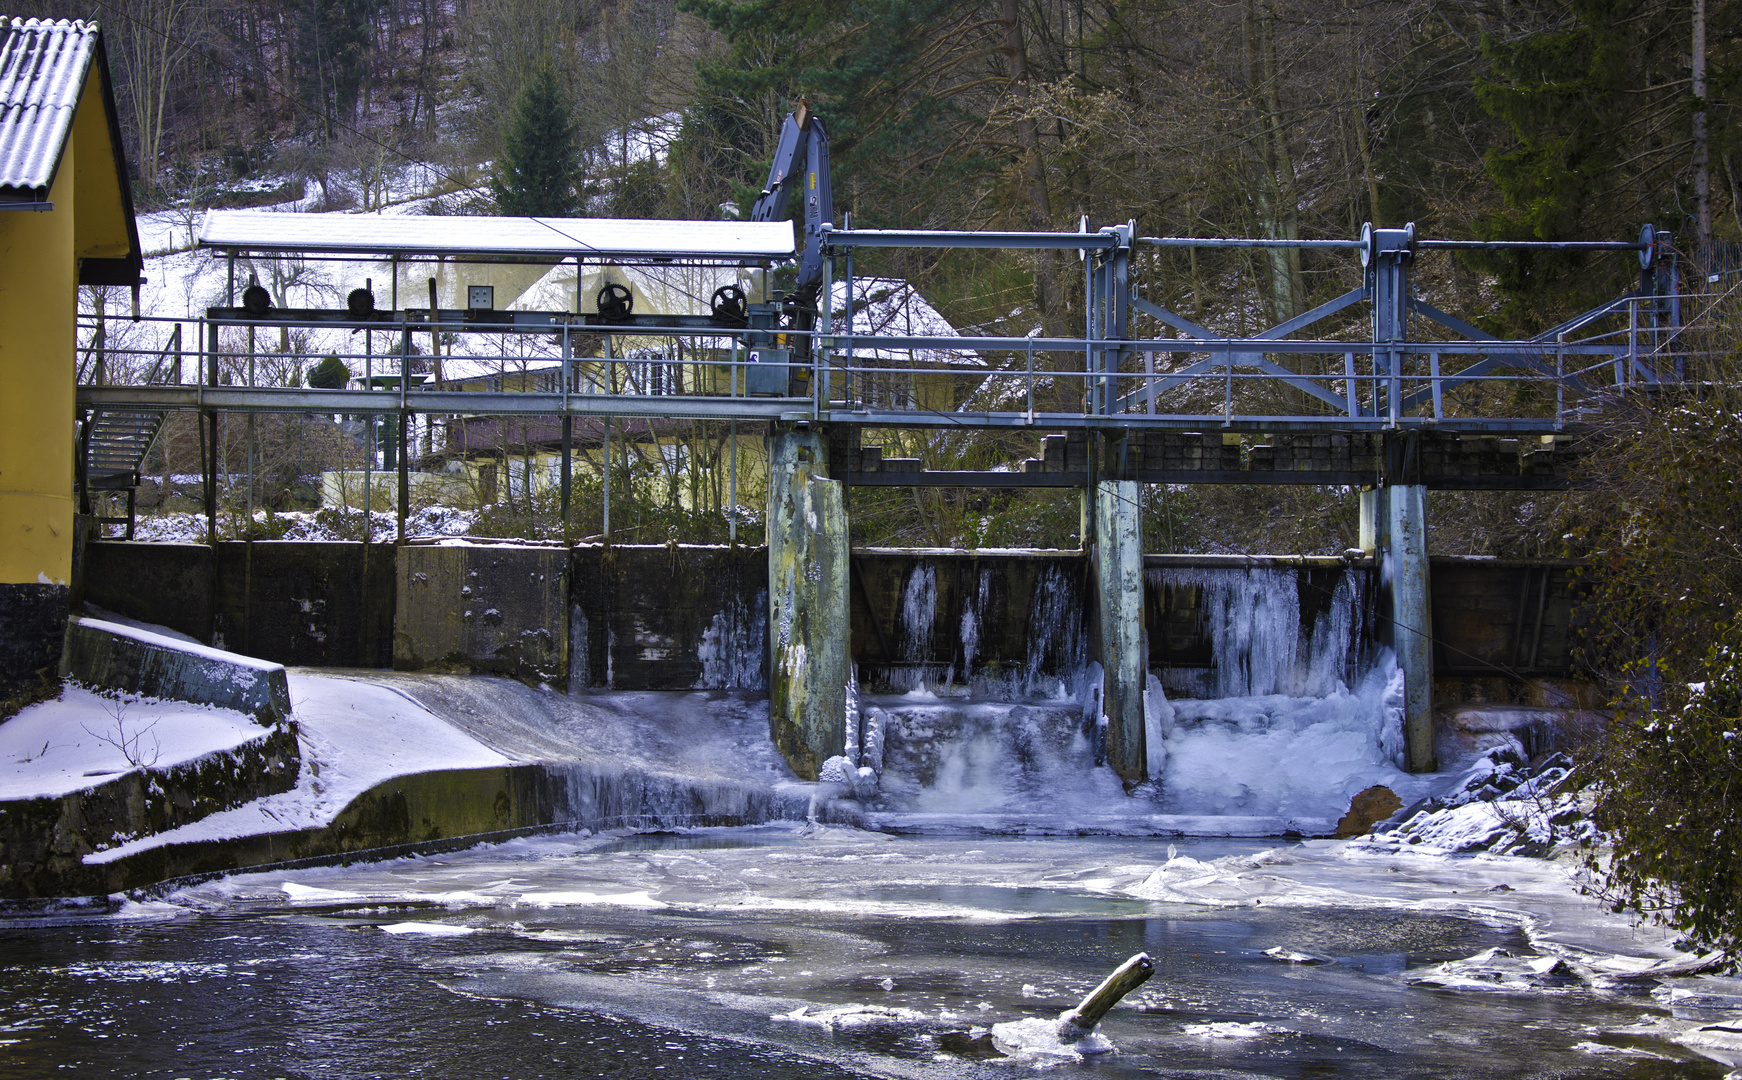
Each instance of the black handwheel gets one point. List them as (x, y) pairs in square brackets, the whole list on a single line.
[(616, 302), (730, 305)]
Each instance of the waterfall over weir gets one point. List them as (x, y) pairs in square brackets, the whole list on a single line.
[(1268, 708), (976, 708)]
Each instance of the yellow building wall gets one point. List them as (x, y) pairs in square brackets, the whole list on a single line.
[(38, 311), (100, 228)]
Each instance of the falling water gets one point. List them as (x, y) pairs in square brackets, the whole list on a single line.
[(971, 610), (1057, 644), (919, 609), (1252, 618), (1287, 723), (733, 646)]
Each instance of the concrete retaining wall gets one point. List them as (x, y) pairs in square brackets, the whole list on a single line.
[(114, 657), (43, 841), (166, 584), (296, 602), (666, 617), (1023, 606), (449, 810), (293, 602), (641, 616), (496, 609)]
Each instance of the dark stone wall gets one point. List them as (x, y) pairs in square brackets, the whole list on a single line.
[(643, 617), (33, 623), (292, 602), (1503, 616), (496, 608), (638, 616), (297, 602), (166, 584)]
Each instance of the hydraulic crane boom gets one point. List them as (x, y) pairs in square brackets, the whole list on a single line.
[(802, 140)]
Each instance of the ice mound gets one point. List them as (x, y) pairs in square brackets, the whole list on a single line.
[(1498, 970), (866, 1018), (1036, 1041), (1296, 757)]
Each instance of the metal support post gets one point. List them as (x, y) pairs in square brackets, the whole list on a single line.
[(404, 499), (568, 435), (821, 353), (1116, 309), (209, 428)]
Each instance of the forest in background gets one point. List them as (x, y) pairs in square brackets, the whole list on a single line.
[(1544, 119), (1539, 119)]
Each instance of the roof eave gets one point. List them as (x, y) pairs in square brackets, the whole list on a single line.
[(133, 268)]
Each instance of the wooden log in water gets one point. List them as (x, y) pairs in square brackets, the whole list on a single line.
[(1127, 977)]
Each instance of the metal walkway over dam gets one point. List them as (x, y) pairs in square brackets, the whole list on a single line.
[(1410, 398)]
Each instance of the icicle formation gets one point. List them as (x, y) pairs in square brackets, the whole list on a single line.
[(971, 624), (1055, 630), (1253, 619), (851, 753), (733, 646), (919, 610)]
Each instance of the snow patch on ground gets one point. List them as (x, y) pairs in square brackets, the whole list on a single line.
[(354, 735), (83, 739)]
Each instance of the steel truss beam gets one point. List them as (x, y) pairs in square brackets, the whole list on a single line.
[(1384, 397)]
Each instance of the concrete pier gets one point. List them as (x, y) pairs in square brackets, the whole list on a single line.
[(808, 611), (1404, 521), (1122, 647), (1394, 528)]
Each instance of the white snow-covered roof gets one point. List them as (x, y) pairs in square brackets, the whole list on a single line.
[(43, 66), (545, 238), (891, 307)]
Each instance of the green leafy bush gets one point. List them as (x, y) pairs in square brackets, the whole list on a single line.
[(1671, 795)]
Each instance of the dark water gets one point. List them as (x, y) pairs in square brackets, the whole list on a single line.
[(242, 983), (245, 996)]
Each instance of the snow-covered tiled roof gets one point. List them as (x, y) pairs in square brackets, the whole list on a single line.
[(891, 307), (43, 66), (544, 238)]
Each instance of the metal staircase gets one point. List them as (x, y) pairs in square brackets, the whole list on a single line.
[(113, 441)]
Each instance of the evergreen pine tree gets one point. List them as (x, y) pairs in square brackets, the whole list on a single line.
[(535, 176)]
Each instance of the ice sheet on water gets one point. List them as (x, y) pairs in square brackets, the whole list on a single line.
[(1499, 970), (426, 929), (1233, 881), (1232, 1029)]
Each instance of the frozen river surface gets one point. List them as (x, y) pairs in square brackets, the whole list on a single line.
[(774, 952)]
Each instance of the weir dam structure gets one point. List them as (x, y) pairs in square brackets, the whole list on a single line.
[(1408, 400)]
